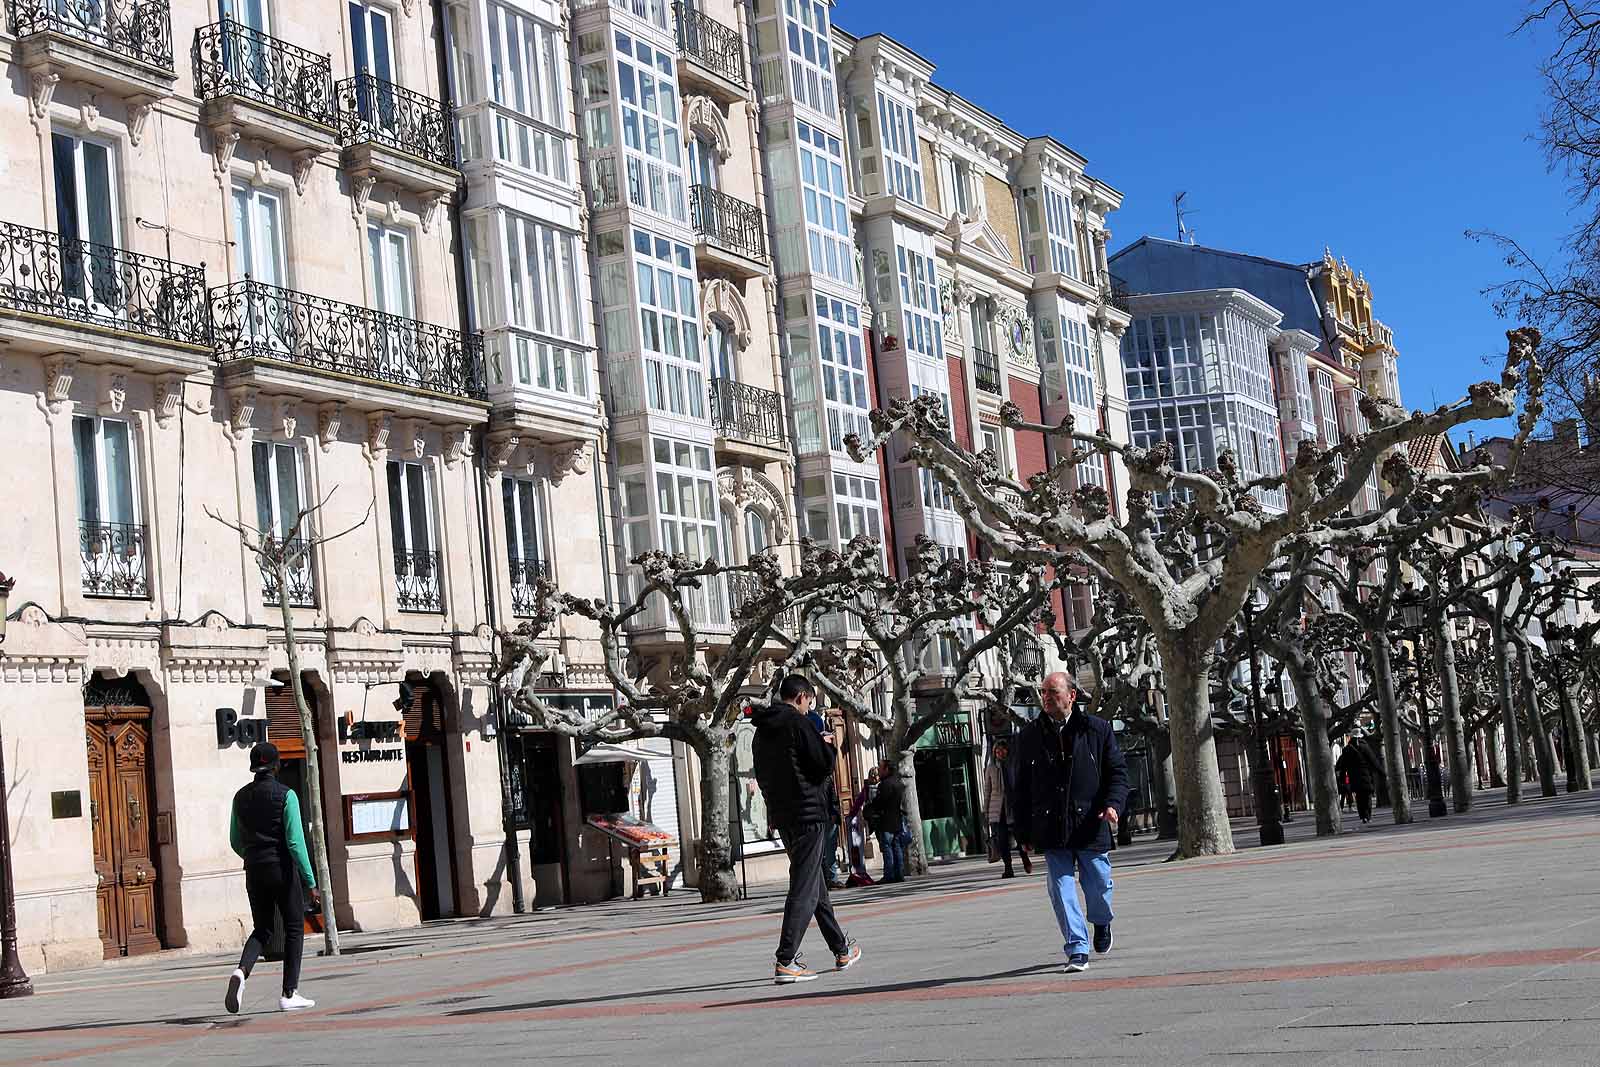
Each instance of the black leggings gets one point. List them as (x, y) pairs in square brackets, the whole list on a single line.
[(275, 889)]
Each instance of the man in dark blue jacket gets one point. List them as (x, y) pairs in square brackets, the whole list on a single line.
[(793, 765), (1071, 788)]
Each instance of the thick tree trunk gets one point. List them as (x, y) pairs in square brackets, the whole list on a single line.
[(1203, 827), (1577, 741), (1394, 757), (1455, 741), (718, 880), (1544, 750), (905, 769), (1319, 749), (1166, 790), (1508, 711), (1491, 743)]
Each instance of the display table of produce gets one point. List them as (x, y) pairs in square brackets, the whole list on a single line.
[(647, 848)]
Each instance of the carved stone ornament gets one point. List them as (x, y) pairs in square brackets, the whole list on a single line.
[(431, 203), (285, 416), (168, 395), (304, 163), (223, 145), (89, 116), (501, 447), (360, 192), (721, 298), (380, 424), (113, 391), (139, 108), (241, 410), (261, 175), (457, 444), (572, 457), (954, 296), (330, 419), (58, 373), (704, 118), (363, 626), (1017, 328), (43, 90)]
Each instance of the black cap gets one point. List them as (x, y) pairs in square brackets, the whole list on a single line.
[(263, 754)]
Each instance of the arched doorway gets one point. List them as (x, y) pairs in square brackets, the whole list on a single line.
[(117, 729), (428, 781)]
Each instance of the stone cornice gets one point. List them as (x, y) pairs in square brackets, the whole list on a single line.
[(212, 652), (38, 650), (1206, 300)]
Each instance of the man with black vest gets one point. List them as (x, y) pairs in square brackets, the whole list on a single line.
[(266, 833), (793, 765)]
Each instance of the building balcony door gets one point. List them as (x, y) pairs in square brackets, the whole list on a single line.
[(127, 899)]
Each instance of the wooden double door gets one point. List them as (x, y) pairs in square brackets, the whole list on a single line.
[(121, 815)]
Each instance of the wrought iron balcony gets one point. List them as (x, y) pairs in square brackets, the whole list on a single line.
[(1114, 291), (302, 585), (745, 413), (232, 59), (371, 109), (50, 274), (418, 584), (728, 222), (745, 590), (525, 576), (113, 560), (255, 320), (986, 370), (711, 44), (137, 29)]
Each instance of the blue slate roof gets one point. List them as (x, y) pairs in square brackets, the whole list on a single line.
[(1154, 265)]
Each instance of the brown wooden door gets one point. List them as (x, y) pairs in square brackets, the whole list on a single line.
[(124, 846)]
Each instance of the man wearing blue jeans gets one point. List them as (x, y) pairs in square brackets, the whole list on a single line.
[(1071, 788)]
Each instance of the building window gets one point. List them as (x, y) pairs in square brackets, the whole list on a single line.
[(757, 533), (542, 283), (111, 535), (526, 58), (647, 90), (1080, 380), (704, 165), (519, 499), (280, 485), (826, 205), (844, 375), (724, 360), (389, 257), (370, 43), (919, 301), (855, 502), (810, 61), (1063, 244), (418, 566), (962, 190), (86, 212), (258, 235), (686, 506), (902, 167), (669, 325)]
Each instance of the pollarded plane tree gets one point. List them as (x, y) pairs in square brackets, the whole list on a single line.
[(921, 648), (1189, 604), (694, 692), (1552, 603)]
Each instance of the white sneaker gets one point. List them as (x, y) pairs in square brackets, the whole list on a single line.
[(235, 995), (294, 1002)]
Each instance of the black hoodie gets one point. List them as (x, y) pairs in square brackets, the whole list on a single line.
[(792, 765)]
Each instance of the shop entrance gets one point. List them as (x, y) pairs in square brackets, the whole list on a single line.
[(117, 729), (428, 780)]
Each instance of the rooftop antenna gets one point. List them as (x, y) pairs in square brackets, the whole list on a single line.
[(1185, 231)]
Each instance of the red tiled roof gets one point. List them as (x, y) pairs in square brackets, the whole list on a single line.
[(1422, 450)]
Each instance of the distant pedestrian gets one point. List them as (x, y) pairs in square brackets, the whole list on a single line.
[(1070, 790), (792, 765), (1355, 767), (265, 831), (997, 808), (886, 819), (855, 828)]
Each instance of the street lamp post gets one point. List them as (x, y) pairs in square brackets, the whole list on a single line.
[(1268, 811), (1415, 611), (13, 979)]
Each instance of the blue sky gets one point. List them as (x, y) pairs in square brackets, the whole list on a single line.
[(1383, 130)]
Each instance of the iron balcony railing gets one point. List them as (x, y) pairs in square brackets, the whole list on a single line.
[(371, 109), (418, 584), (137, 29), (302, 585), (745, 413), (986, 370), (729, 222), (232, 59), (710, 43), (113, 560), (58, 275), (254, 320), (525, 577), (745, 591)]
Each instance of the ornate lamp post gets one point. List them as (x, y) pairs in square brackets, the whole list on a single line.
[(1268, 810), (1414, 611), (13, 979)]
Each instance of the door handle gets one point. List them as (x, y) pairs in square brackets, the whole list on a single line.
[(135, 811), (94, 810), (139, 875)]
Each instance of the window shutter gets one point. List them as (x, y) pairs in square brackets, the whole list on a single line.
[(283, 723), (425, 716)]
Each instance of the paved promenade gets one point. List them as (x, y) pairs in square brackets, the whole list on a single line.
[(1468, 940)]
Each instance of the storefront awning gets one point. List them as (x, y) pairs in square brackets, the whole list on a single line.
[(606, 753)]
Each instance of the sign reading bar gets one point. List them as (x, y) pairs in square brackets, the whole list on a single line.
[(232, 730)]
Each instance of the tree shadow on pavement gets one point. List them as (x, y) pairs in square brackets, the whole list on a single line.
[(533, 1005), (904, 987)]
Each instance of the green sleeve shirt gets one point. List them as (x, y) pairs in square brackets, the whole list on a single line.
[(293, 833)]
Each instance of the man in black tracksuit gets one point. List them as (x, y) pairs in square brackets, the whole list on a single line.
[(265, 831), (792, 765)]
